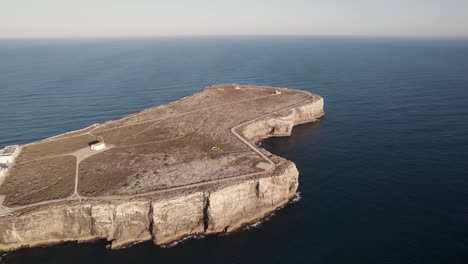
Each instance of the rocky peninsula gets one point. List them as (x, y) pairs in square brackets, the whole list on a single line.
[(191, 167)]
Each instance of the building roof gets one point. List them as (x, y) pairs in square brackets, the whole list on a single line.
[(8, 150), (95, 143)]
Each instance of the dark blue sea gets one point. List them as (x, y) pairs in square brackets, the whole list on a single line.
[(384, 175)]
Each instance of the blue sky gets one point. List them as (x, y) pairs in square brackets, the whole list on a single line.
[(119, 18)]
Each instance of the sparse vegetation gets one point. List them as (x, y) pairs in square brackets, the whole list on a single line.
[(39, 181), (163, 147)]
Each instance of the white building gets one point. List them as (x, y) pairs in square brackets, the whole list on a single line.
[(9, 154), (3, 169), (97, 145), (277, 92)]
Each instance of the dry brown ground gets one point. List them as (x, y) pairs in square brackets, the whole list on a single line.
[(155, 166), (158, 148), (208, 98), (52, 148), (38, 181)]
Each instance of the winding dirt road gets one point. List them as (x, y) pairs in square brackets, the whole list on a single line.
[(84, 153)]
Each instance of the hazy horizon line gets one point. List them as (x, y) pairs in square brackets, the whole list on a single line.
[(461, 37)]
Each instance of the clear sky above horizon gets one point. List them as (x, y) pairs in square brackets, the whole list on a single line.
[(120, 18)]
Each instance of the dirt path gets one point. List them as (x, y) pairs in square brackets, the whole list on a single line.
[(148, 121), (86, 153)]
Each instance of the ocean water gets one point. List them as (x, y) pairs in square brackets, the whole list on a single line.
[(384, 175)]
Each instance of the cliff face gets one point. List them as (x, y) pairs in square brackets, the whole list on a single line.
[(283, 122), (163, 220), (123, 224), (232, 207)]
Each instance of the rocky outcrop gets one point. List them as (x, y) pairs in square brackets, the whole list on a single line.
[(282, 123), (232, 207), (164, 219), (123, 224)]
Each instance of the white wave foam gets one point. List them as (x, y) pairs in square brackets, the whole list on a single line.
[(175, 243), (1, 257), (297, 198)]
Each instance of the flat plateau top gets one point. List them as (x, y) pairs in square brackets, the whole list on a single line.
[(178, 144)]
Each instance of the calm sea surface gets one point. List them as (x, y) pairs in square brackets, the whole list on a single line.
[(384, 176)]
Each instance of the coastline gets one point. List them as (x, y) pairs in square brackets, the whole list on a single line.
[(201, 210)]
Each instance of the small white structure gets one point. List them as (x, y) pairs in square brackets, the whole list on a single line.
[(277, 92), (3, 169), (9, 154), (97, 145), (236, 86)]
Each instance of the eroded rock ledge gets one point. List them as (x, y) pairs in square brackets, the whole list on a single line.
[(167, 218)]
